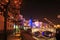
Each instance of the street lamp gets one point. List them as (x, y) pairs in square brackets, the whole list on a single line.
[(58, 16)]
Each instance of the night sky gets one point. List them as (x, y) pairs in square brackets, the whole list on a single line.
[(40, 9)]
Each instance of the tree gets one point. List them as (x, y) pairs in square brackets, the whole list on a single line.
[(8, 7)]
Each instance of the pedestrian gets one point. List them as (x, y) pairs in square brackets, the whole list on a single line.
[(58, 34)]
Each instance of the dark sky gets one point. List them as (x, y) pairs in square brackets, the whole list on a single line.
[(40, 9)]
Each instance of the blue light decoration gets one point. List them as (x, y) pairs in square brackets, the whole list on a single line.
[(30, 22), (43, 33)]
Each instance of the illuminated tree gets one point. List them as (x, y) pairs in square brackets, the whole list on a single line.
[(9, 9)]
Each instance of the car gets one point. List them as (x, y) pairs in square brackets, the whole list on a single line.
[(48, 34), (36, 34)]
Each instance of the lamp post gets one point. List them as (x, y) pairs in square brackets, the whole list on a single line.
[(5, 20)]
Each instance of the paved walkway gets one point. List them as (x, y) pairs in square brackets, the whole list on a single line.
[(14, 37)]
